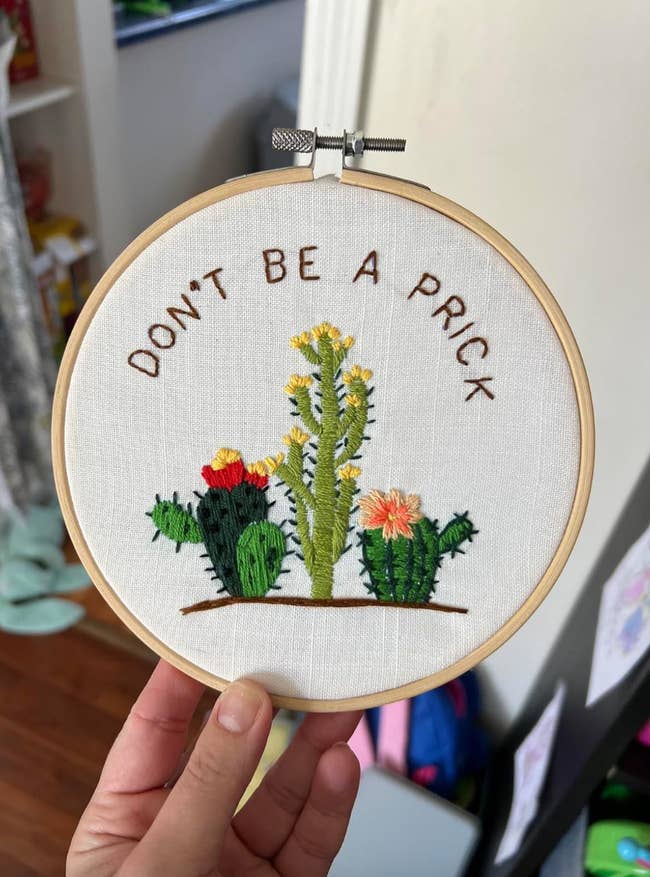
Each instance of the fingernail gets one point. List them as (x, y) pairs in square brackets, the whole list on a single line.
[(238, 707)]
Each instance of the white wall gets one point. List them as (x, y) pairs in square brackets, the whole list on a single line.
[(536, 116), (188, 101)]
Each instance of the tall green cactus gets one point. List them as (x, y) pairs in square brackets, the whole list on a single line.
[(318, 468), (402, 550)]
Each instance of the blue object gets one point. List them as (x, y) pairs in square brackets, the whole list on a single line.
[(630, 851), (33, 570), (446, 742)]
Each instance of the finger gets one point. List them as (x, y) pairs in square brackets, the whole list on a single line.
[(320, 829), (266, 821), (149, 746), (187, 835), (143, 757)]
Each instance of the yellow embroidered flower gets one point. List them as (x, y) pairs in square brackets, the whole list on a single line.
[(301, 340), (354, 400), (272, 463), (325, 330), (392, 512), (297, 381), (357, 373), (224, 457), (296, 436), (349, 472), (257, 468), (336, 345), (348, 342)]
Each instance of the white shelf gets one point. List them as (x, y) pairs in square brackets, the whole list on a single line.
[(36, 93)]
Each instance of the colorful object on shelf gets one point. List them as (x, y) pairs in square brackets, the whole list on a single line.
[(24, 64), (618, 848), (68, 245), (152, 8), (435, 739), (33, 572)]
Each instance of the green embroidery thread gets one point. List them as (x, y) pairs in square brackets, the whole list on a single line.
[(402, 550), (323, 494), (175, 522)]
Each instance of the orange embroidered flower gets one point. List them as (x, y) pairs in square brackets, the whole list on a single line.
[(393, 512)]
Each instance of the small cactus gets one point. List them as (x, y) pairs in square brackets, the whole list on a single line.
[(175, 522), (402, 550), (235, 499), (260, 551)]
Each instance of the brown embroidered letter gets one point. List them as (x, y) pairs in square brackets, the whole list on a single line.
[(369, 267), (171, 336), (176, 313), (445, 308), (430, 290), (141, 368), (215, 279), (476, 340), (305, 263), (270, 263), (478, 387)]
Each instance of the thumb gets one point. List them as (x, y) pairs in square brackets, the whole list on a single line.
[(187, 835)]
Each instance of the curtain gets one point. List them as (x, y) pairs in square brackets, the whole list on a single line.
[(27, 370)]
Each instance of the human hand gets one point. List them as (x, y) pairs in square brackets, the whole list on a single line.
[(294, 824)]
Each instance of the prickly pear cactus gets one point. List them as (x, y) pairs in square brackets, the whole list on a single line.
[(402, 550), (235, 499), (260, 551), (175, 522), (223, 516)]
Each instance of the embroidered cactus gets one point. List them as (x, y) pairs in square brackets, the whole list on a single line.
[(235, 500), (402, 550), (175, 522), (260, 551), (318, 469)]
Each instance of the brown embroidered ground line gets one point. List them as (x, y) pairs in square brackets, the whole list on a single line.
[(327, 604)]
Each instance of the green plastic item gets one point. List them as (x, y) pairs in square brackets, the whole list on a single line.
[(618, 848)]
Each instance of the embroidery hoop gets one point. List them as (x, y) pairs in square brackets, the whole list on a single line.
[(420, 195)]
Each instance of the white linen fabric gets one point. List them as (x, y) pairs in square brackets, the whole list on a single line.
[(512, 462)]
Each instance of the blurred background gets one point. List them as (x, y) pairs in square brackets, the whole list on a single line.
[(535, 116)]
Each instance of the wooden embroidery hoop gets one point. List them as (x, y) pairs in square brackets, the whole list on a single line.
[(421, 195)]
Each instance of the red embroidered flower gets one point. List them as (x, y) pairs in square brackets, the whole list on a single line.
[(256, 475), (226, 469)]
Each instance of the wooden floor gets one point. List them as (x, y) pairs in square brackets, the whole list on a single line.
[(63, 699)]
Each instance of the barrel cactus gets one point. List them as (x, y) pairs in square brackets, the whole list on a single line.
[(246, 561), (402, 549)]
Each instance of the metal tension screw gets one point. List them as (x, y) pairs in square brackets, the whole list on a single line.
[(303, 140)]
